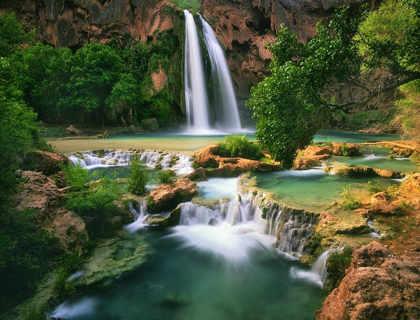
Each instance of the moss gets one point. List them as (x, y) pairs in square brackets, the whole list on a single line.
[(337, 264), (172, 219)]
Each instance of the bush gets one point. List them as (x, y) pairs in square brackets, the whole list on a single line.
[(76, 175), (337, 264), (350, 202), (374, 187), (138, 176), (239, 146), (27, 252), (166, 176), (97, 205)]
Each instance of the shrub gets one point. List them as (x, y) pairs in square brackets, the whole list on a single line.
[(373, 187), (27, 252), (138, 176), (97, 205), (337, 264), (76, 175), (350, 202), (239, 146), (166, 176)]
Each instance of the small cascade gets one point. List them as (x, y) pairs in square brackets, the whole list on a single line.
[(140, 216), (320, 265), (91, 160), (296, 231), (196, 101), (227, 116), (183, 165)]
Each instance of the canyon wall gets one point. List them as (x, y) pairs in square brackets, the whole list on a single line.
[(243, 27)]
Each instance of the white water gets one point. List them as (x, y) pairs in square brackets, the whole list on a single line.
[(69, 310), (196, 102), (227, 116), (140, 216), (318, 273), (90, 160)]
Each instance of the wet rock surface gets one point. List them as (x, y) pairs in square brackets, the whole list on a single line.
[(377, 285), (114, 258)]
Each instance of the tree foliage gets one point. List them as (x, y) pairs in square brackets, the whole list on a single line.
[(138, 176), (292, 104)]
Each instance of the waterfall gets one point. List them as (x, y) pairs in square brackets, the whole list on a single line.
[(227, 116), (196, 105), (320, 265), (180, 163), (140, 216)]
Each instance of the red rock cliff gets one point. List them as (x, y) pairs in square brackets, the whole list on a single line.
[(244, 27)]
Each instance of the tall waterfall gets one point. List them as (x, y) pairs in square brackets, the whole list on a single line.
[(227, 116), (196, 102)]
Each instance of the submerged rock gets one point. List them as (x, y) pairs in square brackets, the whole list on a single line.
[(113, 258), (377, 285), (364, 171)]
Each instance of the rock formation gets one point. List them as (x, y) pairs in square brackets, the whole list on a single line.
[(43, 161), (166, 196), (40, 193), (227, 167), (377, 285)]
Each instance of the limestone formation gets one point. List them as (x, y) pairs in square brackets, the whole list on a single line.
[(218, 166), (364, 171), (377, 285)]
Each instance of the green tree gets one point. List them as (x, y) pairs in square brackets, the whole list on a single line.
[(95, 69), (138, 176), (12, 35), (123, 97), (293, 103)]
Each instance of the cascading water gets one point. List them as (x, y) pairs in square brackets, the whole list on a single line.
[(227, 116), (196, 102)]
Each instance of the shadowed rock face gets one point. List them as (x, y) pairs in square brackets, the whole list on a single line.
[(377, 285), (71, 23)]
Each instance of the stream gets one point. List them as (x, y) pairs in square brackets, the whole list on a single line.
[(220, 263)]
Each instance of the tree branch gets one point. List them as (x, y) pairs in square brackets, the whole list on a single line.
[(399, 82)]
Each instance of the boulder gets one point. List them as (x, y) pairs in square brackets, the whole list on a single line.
[(38, 192), (150, 124), (167, 197), (44, 161), (73, 130), (377, 285), (70, 229)]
